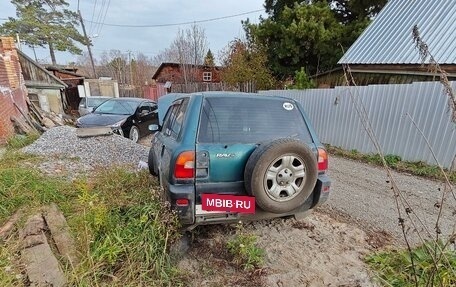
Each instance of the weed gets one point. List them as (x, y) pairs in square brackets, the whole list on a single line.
[(20, 141), (126, 231), (25, 187), (207, 269), (8, 275), (394, 268), (418, 168), (392, 160), (243, 247), (123, 232), (374, 159), (11, 159)]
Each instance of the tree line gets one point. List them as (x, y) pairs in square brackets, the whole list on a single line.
[(296, 39)]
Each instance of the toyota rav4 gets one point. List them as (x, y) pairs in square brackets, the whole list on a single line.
[(223, 157)]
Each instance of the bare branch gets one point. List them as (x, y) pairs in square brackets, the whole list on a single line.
[(434, 67)]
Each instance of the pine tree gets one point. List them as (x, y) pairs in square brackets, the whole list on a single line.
[(45, 23), (209, 59)]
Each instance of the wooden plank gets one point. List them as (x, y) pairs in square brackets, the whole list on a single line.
[(22, 125), (60, 232), (34, 109), (25, 117), (41, 266)]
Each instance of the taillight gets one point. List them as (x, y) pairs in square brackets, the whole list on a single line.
[(322, 160), (185, 165), (182, 202)]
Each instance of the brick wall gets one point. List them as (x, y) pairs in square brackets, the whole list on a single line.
[(12, 87)]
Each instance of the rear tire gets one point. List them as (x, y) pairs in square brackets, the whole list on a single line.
[(281, 175), (151, 163)]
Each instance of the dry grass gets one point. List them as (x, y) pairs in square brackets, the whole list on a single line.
[(123, 231)]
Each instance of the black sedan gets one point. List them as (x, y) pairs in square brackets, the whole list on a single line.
[(129, 117)]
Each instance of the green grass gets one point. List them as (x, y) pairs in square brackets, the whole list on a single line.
[(418, 168), (122, 230), (26, 188), (394, 268), (125, 232), (7, 271), (20, 141), (245, 251)]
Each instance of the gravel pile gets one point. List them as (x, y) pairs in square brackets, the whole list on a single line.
[(101, 151)]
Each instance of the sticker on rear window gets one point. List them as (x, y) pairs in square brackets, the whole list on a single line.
[(288, 106)]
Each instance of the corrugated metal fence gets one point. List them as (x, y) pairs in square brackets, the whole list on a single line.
[(334, 116)]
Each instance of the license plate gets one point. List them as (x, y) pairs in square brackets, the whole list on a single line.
[(227, 203)]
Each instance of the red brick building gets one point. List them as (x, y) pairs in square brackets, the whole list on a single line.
[(12, 88), (183, 78), (175, 73)]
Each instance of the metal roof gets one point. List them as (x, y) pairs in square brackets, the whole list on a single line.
[(389, 39)]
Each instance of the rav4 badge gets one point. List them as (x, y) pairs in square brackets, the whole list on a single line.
[(225, 155)]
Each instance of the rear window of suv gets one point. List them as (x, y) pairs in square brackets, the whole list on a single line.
[(250, 120)]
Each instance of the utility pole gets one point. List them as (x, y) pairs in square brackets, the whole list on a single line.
[(34, 53), (88, 42), (131, 71), (18, 42)]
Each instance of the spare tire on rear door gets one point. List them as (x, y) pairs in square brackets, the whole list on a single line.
[(281, 175)]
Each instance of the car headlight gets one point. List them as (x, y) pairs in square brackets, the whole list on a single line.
[(117, 127), (118, 124)]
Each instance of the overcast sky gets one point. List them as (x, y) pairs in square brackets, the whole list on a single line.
[(151, 40)]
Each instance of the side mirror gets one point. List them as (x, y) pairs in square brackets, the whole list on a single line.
[(154, 128)]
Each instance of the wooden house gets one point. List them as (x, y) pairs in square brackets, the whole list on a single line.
[(386, 52)]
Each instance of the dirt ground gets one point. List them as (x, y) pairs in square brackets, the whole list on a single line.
[(328, 247), (315, 251), (361, 195)]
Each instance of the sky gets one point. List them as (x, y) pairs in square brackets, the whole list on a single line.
[(150, 40)]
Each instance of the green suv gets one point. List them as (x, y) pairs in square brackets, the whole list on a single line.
[(223, 157)]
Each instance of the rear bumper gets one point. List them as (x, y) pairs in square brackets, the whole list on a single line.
[(186, 214), (193, 215), (321, 191)]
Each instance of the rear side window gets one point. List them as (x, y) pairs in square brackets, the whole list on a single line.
[(94, 102), (175, 117), (250, 120), (147, 106)]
